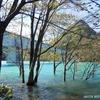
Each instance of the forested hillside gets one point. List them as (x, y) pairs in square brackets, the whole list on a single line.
[(82, 40)]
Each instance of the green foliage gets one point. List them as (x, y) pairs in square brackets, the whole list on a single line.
[(63, 19), (49, 56), (5, 92), (26, 54), (53, 4)]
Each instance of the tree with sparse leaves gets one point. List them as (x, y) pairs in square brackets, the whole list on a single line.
[(7, 15)]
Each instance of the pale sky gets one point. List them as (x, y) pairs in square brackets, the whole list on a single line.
[(14, 26)]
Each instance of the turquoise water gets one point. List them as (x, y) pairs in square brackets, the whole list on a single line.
[(49, 86)]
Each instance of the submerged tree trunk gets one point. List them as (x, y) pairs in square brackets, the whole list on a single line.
[(65, 63), (30, 78), (31, 73), (74, 71), (54, 64), (23, 78), (32, 56), (42, 26), (37, 70), (64, 72), (54, 68), (20, 69)]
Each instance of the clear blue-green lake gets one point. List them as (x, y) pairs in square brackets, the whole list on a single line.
[(49, 86)]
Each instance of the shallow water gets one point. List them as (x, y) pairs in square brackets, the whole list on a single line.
[(49, 86)]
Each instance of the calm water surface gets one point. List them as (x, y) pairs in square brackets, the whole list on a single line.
[(50, 87)]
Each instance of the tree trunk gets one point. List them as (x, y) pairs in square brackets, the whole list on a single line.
[(43, 28), (20, 69), (22, 60), (32, 36), (38, 65), (0, 50), (54, 64), (23, 78), (1, 3), (31, 73), (31, 49), (30, 78), (33, 57), (74, 72), (37, 70), (2, 30), (64, 72), (32, 66)]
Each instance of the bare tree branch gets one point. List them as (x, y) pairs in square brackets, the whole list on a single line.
[(95, 3)]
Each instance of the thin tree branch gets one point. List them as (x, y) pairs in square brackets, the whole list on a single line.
[(95, 3)]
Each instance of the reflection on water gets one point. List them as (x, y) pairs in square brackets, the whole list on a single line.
[(50, 87), (31, 93)]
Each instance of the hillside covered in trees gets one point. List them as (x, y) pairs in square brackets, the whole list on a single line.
[(82, 41)]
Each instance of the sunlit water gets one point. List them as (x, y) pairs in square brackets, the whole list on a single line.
[(49, 86)]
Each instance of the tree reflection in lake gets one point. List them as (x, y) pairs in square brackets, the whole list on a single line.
[(33, 93)]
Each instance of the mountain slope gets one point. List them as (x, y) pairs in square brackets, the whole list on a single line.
[(80, 29), (83, 41)]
